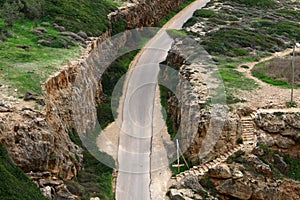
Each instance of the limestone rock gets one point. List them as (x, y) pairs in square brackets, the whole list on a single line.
[(237, 174), (279, 163), (64, 194), (284, 142), (82, 34), (34, 146), (192, 183), (47, 192), (259, 165), (265, 193), (235, 189), (220, 171)]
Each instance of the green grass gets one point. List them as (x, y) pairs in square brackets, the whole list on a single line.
[(235, 79), (232, 41), (26, 69), (289, 28), (260, 71), (292, 13), (14, 184), (258, 3), (88, 16)]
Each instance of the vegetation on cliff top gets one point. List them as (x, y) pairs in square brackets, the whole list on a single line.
[(14, 184), (25, 68)]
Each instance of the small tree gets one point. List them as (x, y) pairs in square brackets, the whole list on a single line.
[(10, 12), (35, 9)]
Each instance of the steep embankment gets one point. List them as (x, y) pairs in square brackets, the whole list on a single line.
[(72, 92), (253, 157)]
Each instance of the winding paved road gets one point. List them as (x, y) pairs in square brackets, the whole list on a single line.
[(135, 140)]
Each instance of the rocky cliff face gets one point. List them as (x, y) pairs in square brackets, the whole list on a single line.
[(40, 142), (243, 176), (34, 146), (83, 76), (279, 130), (141, 13), (190, 111)]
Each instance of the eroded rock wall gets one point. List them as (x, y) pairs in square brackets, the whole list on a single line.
[(279, 130), (71, 93), (144, 12), (34, 146), (206, 130)]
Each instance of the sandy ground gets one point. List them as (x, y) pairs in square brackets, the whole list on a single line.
[(266, 96)]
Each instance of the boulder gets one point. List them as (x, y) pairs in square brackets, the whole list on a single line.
[(47, 192), (259, 165), (65, 194), (235, 189), (182, 194), (279, 163), (82, 34), (192, 183), (284, 142), (60, 28), (45, 24), (29, 96), (45, 42), (220, 171), (176, 195), (265, 193), (73, 36), (237, 174)]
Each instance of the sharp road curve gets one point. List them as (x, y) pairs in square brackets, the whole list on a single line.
[(135, 140)]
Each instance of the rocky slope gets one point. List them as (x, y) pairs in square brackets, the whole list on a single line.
[(189, 110), (38, 142), (279, 129)]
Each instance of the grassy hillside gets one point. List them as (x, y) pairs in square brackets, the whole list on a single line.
[(14, 184), (85, 15), (25, 69)]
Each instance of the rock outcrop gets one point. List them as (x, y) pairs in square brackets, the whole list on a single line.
[(279, 130), (34, 146), (143, 13), (189, 109)]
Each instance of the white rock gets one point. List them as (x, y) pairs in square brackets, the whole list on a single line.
[(237, 174), (46, 191)]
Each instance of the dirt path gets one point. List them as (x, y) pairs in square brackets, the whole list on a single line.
[(266, 95)]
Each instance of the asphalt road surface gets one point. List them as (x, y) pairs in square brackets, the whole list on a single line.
[(134, 152)]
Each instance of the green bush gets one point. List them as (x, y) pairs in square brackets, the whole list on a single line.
[(291, 104), (291, 29), (95, 178), (292, 13), (108, 80), (258, 3), (15, 185), (190, 22), (239, 141), (118, 26), (205, 13), (231, 41), (293, 170)]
